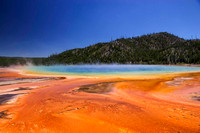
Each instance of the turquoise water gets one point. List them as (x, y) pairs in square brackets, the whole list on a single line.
[(110, 69)]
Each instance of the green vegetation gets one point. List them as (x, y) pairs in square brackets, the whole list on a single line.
[(7, 61), (158, 48)]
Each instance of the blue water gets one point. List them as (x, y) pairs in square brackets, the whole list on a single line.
[(110, 69)]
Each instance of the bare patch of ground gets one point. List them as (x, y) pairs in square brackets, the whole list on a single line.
[(9, 98), (22, 89), (28, 80), (195, 96), (100, 88), (178, 81)]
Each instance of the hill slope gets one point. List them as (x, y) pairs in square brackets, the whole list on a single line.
[(159, 48)]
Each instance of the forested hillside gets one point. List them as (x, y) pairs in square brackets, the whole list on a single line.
[(158, 48)]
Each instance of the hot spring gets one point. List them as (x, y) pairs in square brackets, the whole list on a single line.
[(110, 69)]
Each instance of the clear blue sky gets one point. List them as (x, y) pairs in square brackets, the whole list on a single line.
[(38, 28)]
